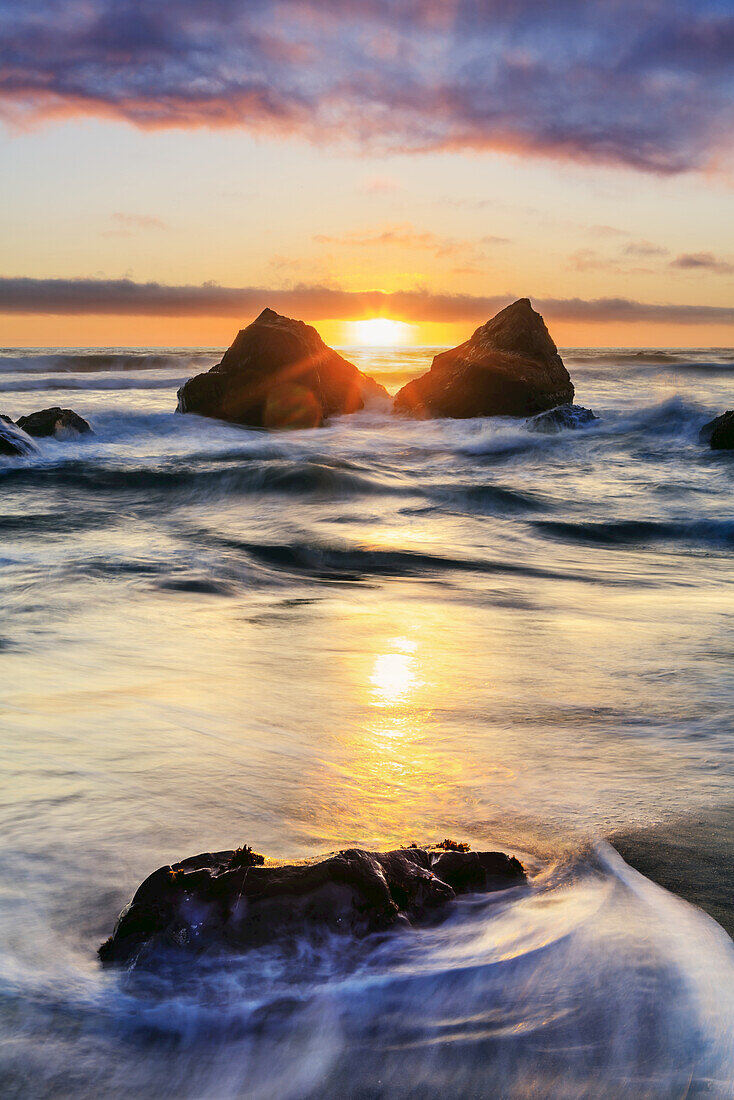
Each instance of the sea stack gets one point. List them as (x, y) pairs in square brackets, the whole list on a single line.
[(509, 367), (279, 373)]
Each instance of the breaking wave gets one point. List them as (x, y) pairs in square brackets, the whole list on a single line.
[(590, 982)]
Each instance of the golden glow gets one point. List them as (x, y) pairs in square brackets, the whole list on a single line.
[(380, 332), (35, 330)]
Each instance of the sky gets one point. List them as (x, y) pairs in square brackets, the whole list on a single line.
[(168, 169)]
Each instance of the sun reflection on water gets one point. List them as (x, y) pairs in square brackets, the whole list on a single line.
[(393, 675)]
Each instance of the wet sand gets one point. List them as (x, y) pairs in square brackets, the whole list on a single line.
[(693, 856)]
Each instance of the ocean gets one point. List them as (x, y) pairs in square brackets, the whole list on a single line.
[(377, 632)]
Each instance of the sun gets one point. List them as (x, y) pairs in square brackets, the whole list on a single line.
[(379, 332)]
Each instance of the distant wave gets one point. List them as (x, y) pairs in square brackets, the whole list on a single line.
[(612, 356), (687, 360), (229, 475), (79, 362), (485, 499), (107, 382), (641, 532), (322, 561)]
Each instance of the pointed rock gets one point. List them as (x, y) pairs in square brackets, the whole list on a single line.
[(279, 373), (509, 367)]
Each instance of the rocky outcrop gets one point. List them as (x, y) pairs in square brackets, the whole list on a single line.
[(562, 418), (719, 432), (509, 367), (279, 373), (14, 441), (61, 423), (238, 898)]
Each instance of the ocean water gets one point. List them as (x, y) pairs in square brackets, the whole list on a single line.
[(372, 633)]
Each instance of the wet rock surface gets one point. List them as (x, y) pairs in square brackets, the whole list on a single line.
[(719, 432), (562, 418), (62, 423), (279, 373), (509, 367), (14, 442), (239, 899)]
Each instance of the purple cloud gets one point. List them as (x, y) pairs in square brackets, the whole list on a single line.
[(644, 249), (703, 261), (641, 83), (127, 298)]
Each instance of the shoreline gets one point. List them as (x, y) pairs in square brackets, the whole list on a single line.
[(690, 856)]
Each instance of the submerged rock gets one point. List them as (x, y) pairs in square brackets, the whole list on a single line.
[(561, 418), (719, 432), (509, 367), (279, 373), (237, 898), (62, 423), (14, 441)]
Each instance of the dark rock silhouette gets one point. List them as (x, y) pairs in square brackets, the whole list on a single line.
[(719, 432), (14, 441), (62, 423), (237, 898), (279, 373), (561, 418), (509, 367)]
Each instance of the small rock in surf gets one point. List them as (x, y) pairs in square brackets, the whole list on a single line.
[(509, 367), (719, 432), (14, 441), (239, 899), (61, 423), (279, 373), (561, 418)]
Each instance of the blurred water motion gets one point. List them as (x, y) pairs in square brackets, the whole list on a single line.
[(375, 633)]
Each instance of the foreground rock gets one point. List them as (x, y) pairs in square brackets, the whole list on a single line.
[(239, 899), (14, 441), (509, 367), (562, 418), (61, 423), (279, 373), (719, 432)]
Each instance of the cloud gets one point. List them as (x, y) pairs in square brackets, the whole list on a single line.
[(138, 221), (405, 236), (644, 249), (127, 298), (607, 231), (127, 225), (380, 185), (703, 261), (589, 259), (646, 85)]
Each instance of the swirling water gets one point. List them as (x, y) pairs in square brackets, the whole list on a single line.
[(375, 632)]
